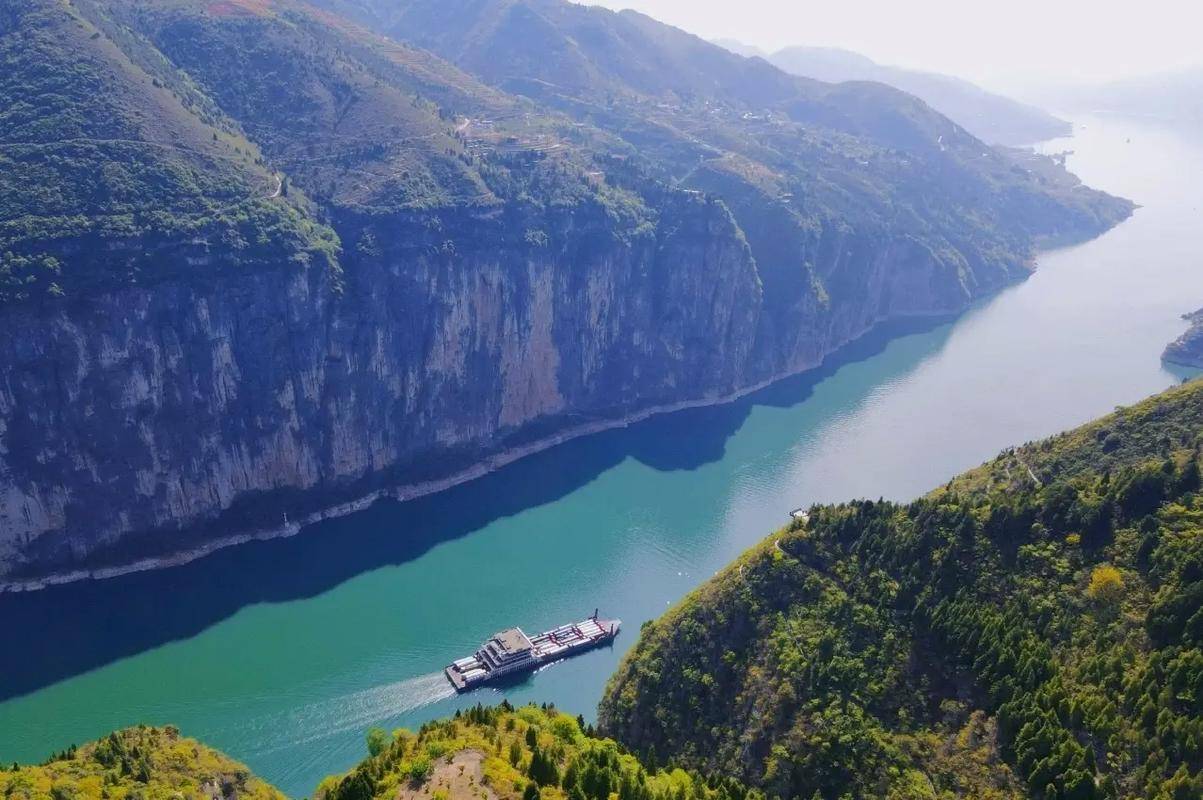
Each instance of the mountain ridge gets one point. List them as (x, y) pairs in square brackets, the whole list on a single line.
[(989, 116)]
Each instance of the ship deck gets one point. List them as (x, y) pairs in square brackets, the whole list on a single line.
[(457, 680)]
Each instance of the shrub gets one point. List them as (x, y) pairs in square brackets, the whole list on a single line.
[(418, 769)]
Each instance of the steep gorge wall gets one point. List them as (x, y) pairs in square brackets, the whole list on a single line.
[(151, 411), (148, 421)]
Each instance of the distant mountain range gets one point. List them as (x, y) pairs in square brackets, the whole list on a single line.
[(988, 116)]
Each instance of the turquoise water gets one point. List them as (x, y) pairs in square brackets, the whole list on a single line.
[(283, 653)]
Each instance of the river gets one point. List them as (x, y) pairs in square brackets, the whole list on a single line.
[(283, 653)]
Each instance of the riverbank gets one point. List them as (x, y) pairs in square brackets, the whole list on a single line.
[(1187, 349)]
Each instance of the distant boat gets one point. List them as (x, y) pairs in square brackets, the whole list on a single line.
[(511, 651)]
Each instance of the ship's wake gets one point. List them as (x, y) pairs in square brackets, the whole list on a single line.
[(354, 711)]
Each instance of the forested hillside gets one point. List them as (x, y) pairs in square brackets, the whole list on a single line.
[(1032, 629), (485, 753), (507, 753)]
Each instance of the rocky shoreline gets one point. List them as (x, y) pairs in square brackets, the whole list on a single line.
[(1187, 349)]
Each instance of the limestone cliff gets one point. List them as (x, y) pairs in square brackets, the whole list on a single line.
[(154, 420), (177, 408), (150, 421)]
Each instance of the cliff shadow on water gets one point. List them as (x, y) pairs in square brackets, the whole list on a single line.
[(85, 625)]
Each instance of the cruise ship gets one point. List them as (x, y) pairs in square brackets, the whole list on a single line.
[(511, 651)]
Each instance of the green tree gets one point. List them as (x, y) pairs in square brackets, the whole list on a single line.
[(378, 740)]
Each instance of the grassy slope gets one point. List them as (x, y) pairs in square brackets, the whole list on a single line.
[(1062, 621), (102, 140), (346, 131), (858, 158), (363, 122), (144, 141), (395, 147), (627, 71)]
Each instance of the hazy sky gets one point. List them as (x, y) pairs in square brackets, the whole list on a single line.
[(1000, 42)]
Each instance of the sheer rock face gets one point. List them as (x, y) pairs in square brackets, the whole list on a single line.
[(149, 421), (153, 411)]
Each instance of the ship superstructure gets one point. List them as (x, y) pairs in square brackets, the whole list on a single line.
[(511, 651)]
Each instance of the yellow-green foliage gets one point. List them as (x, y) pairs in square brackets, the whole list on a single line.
[(1106, 584), (521, 748), (138, 763)]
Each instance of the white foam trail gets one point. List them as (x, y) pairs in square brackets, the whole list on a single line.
[(354, 711)]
